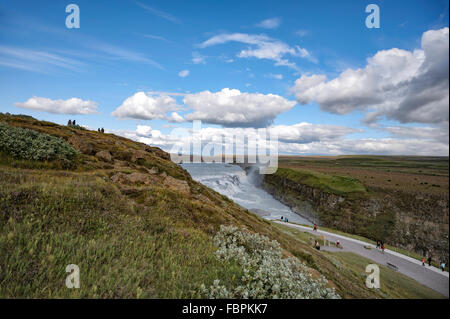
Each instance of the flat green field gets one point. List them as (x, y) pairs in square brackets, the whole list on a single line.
[(406, 173)]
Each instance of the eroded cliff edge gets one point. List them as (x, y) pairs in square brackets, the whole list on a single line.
[(416, 222)]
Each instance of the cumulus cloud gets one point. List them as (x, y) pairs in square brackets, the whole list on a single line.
[(371, 146), (272, 23), (231, 107), (439, 133), (407, 86), (301, 138), (175, 118), (143, 130), (146, 107), (69, 106), (183, 73), (306, 132), (263, 47)]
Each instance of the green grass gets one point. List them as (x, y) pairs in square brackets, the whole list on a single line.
[(123, 250), (340, 185), (129, 240)]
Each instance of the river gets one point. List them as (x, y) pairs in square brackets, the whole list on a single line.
[(233, 182)]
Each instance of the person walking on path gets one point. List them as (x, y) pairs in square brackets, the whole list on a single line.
[(315, 227), (443, 266), (429, 261), (423, 261), (317, 245), (382, 248), (378, 244)]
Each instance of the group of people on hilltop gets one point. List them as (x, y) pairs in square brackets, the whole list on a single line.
[(73, 123), (430, 259)]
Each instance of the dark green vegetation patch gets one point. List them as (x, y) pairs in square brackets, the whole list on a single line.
[(22, 143)]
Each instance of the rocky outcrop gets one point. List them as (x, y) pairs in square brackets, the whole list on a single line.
[(104, 156), (177, 185), (133, 178), (416, 222)]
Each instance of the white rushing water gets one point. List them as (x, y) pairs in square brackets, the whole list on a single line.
[(233, 182)]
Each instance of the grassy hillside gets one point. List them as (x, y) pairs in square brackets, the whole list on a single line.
[(340, 185), (135, 223)]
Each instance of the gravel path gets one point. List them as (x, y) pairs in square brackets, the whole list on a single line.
[(431, 277)]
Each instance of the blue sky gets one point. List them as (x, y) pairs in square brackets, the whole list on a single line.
[(123, 47)]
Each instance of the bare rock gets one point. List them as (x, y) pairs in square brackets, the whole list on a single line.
[(137, 155), (104, 156), (81, 145), (177, 185)]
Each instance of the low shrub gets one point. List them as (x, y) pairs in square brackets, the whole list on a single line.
[(22, 143), (266, 273)]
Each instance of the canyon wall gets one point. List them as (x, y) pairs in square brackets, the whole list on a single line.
[(416, 222)]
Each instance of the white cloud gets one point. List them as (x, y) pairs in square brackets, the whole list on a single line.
[(272, 23), (159, 13), (156, 37), (385, 146), (439, 133), (197, 58), (302, 33), (234, 108), (407, 86), (301, 138), (114, 52), (143, 130), (183, 73), (175, 118), (146, 107), (36, 61), (275, 76), (69, 106), (263, 48), (307, 132)]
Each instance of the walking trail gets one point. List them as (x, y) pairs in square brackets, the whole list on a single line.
[(431, 277)]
